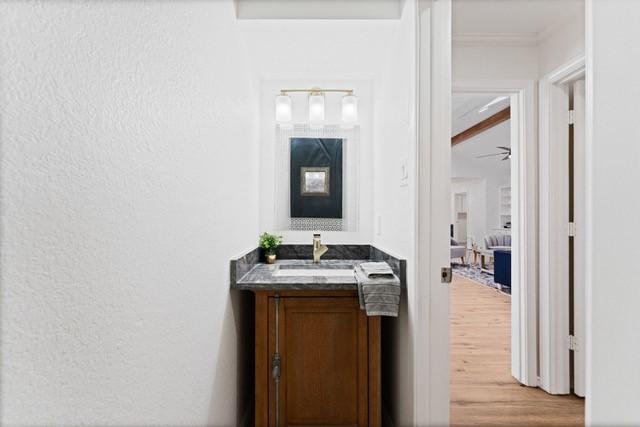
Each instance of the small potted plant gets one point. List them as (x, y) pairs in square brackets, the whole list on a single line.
[(269, 243)]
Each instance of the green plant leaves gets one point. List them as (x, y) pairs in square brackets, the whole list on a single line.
[(270, 242)]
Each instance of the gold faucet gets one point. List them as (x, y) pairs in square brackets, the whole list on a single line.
[(318, 249)]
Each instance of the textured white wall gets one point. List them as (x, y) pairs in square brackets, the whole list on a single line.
[(613, 160), (394, 143), (128, 161)]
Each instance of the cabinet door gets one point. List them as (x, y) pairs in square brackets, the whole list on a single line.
[(323, 345)]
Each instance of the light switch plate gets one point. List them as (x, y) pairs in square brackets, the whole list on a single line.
[(404, 173)]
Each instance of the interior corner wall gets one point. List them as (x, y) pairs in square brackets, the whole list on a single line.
[(128, 179), (613, 174), (394, 206), (564, 44)]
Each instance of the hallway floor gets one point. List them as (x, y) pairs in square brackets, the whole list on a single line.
[(482, 389)]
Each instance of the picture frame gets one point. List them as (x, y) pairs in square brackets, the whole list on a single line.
[(315, 181)]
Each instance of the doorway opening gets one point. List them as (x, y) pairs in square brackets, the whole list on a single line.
[(481, 189), (497, 49), (480, 302), (493, 298)]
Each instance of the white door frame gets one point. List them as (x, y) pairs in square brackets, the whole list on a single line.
[(524, 253), (554, 214), (433, 212), (579, 239)]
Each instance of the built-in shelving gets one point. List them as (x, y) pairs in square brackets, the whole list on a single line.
[(504, 207)]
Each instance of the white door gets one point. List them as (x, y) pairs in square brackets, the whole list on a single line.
[(431, 326), (579, 255)]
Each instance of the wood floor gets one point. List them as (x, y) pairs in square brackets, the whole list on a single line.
[(483, 393)]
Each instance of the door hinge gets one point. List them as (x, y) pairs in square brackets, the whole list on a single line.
[(572, 117), (572, 229), (446, 275), (573, 343)]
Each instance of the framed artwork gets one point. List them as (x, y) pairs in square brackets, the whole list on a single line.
[(316, 177)]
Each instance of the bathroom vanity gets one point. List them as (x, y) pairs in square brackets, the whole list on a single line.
[(317, 354)]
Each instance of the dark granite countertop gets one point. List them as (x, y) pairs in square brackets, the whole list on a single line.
[(266, 276), (247, 273)]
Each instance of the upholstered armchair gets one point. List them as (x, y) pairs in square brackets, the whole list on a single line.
[(497, 242)]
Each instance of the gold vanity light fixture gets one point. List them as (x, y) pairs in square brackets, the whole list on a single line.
[(284, 109)]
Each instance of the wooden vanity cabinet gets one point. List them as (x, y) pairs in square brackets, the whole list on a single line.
[(329, 360)]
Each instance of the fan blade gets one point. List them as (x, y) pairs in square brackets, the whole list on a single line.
[(489, 155), (505, 148)]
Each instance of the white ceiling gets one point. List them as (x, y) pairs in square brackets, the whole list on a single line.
[(318, 9), (530, 17), (465, 110), (464, 115), (486, 143), (465, 156)]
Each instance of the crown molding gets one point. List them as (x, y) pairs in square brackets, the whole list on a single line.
[(509, 39), (495, 39)]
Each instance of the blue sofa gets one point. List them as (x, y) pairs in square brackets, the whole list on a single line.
[(502, 267)]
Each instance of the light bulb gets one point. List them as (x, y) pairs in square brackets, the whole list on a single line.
[(316, 108), (283, 109), (349, 109)]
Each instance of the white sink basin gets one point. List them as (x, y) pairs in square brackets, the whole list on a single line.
[(313, 272)]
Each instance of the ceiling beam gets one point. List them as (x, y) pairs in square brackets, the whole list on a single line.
[(486, 124)]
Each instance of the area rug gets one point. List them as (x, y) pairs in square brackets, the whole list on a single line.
[(474, 273)]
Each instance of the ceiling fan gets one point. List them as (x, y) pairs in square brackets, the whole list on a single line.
[(506, 153)]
